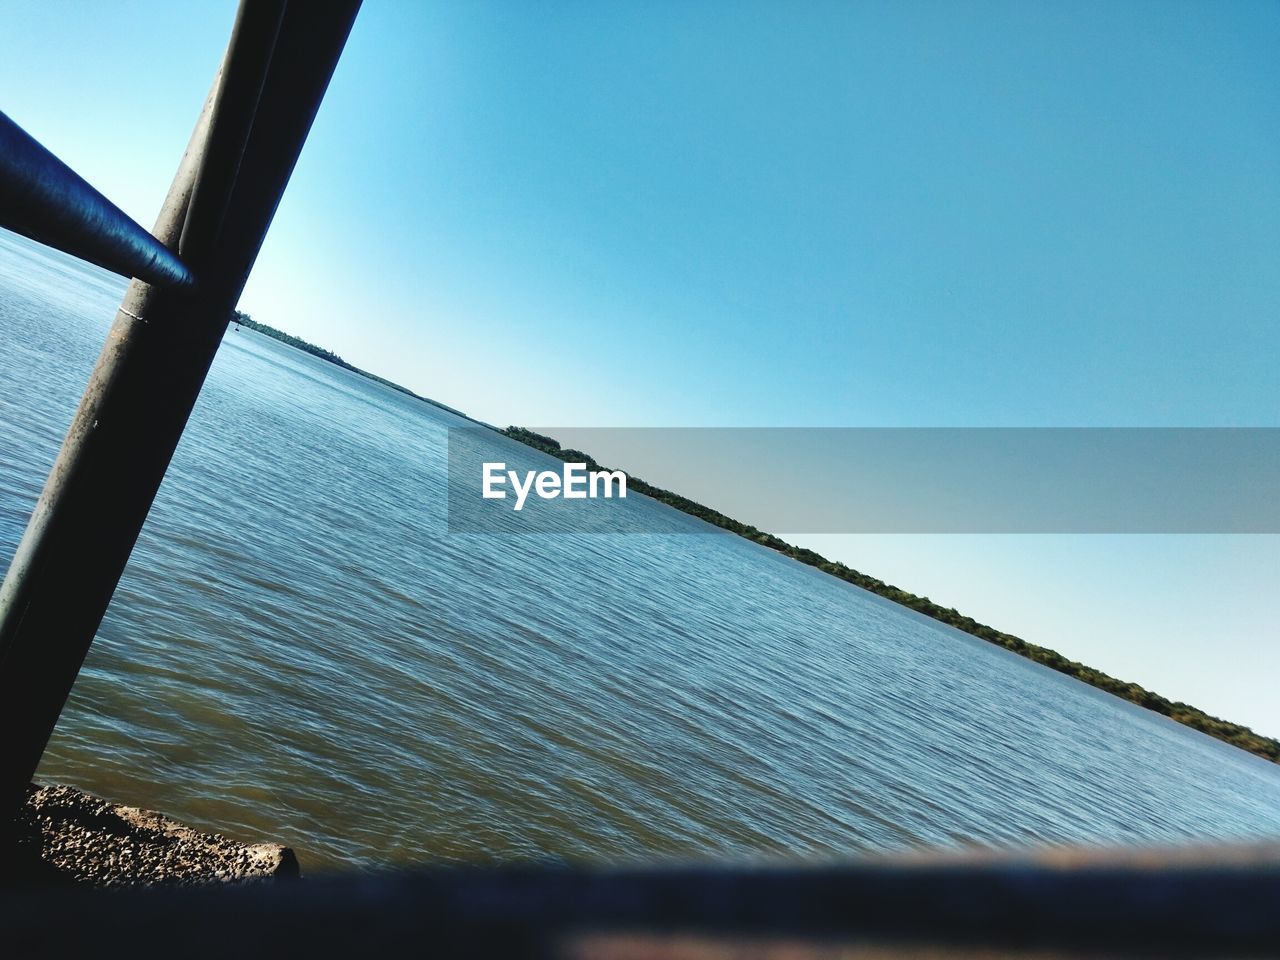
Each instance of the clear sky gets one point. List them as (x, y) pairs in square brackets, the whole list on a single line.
[(773, 214)]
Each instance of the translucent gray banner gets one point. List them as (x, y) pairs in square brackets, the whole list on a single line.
[(872, 480)]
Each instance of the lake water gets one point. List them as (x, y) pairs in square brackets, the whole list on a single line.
[(300, 651)]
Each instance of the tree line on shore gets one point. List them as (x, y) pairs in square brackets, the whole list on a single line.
[(244, 320), (1197, 719)]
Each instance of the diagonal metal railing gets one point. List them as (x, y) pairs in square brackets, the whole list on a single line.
[(44, 199), (189, 275)]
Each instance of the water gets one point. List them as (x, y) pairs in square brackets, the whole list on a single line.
[(298, 651)]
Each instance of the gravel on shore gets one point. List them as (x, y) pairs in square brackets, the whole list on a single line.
[(65, 836)]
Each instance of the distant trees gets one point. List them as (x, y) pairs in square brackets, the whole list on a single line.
[(247, 321), (244, 320)]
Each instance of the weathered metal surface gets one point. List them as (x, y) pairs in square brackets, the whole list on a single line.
[(235, 104), (44, 199), (155, 360)]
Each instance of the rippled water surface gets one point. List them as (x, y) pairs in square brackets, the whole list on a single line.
[(299, 651)]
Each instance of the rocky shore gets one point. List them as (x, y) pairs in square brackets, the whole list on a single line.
[(64, 836)]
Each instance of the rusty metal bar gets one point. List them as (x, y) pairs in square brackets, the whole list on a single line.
[(155, 360), (235, 105), (1064, 904), (44, 199)]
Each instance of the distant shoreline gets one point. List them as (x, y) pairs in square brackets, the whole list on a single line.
[(244, 320), (1233, 733)]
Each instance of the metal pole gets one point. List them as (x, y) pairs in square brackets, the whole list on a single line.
[(44, 199), (155, 360)]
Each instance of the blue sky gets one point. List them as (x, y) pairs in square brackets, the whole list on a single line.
[(780, 214)]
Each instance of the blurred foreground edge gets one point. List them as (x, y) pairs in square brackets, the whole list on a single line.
[(1190, 902)]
